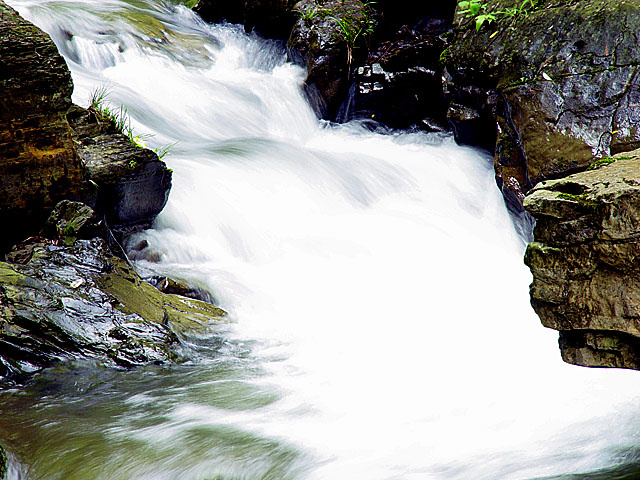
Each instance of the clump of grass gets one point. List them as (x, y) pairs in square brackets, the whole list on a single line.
[(118, 119)]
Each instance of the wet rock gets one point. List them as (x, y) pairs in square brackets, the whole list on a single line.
[(400, 85), (416, 16), (133, 184), (329, 39), (558, 85), (270, 18), (585, 261), (179, 287), (79, 301), (3, 463), (72, 220), (38, 163)]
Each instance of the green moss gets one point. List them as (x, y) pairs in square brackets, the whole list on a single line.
[(580, 199), (137, 296), (605, 161)]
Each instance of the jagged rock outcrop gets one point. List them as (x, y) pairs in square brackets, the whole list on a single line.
[(38, 161), (548, 89), (79, 301), (585, 261)]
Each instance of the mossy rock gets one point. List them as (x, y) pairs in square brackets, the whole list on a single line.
[(79, 301), (561, 79)]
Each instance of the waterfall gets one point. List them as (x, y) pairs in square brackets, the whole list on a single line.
[(381, 326)]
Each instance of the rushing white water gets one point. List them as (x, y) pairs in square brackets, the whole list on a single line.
[(376, 280)]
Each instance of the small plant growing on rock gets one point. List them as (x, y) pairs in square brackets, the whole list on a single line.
[(478, 10), (355, 25), (119, 120)]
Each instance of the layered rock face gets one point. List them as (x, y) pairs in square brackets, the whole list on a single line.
[(550, 88), (51, 150), (68, 296), (38, 162), (586, 261)]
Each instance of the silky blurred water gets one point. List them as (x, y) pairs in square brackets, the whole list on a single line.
[(381, 327)]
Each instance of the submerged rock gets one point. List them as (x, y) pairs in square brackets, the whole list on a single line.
[(38, 163), (79, 301), (585, 261), (548, 89)]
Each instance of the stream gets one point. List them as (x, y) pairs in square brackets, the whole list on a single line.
[(380, 318)]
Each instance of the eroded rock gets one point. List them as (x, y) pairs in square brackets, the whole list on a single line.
[(585, 261)]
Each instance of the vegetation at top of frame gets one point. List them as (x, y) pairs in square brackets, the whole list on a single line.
[(118, 119), (481, 14)]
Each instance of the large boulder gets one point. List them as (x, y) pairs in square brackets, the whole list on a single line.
[(547, 89), (38, 161), (586, 261), (329, 39), (51, 150), (79, 301)]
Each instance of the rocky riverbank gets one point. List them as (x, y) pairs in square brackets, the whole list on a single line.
[(73, 187)]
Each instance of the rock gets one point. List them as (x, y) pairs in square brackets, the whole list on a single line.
[(37, 158), (557, 86), (270, 18), (133, 184), (585, 261), (179, 287), (79, 301), (416, 16), (72, 220), (400, 85), (3, 463), (328, 39)]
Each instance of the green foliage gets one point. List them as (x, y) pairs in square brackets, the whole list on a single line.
[(355, 25), (478, 11)]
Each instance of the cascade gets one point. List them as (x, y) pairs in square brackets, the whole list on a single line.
[(381, 326)]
